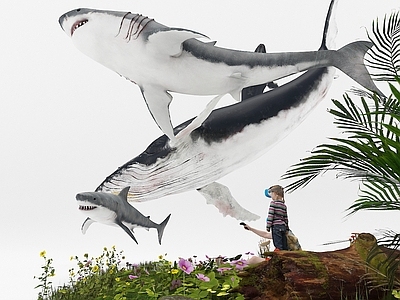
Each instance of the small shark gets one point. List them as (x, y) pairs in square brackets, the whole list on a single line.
[(161, 59), (115, 210), (231, 137)]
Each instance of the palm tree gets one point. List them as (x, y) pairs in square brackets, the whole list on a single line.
[(370, 150)]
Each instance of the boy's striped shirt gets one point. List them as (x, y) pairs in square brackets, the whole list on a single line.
[(277, 214)]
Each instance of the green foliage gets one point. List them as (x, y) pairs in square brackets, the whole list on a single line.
[(106, 277), (369, 151), (384, 266), (385, 56), (44, 278)]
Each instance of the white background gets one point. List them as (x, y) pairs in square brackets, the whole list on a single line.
[(67, 122)]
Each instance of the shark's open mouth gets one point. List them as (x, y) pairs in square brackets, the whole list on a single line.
[(84, 207), (78, 24)]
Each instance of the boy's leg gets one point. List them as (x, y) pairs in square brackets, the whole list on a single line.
[(277, 237)]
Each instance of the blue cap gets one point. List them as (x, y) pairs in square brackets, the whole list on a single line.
[(267, 193)]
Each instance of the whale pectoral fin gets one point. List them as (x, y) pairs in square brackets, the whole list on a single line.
[(158, 101), (169, 42), (199, 119), (86, 225), (220, 196), (127, 230)]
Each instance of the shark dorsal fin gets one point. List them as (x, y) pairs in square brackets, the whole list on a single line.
[(124, 193)]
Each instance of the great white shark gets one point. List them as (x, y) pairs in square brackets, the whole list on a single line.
[(161, 59), (112, 209), (231, 137)]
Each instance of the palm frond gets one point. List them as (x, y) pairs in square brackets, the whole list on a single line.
[(377, 196), (390, 239), (384, 57), (370, 149), (370, 153), (384, 260)]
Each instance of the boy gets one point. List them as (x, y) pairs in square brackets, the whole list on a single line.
[(277, 219)]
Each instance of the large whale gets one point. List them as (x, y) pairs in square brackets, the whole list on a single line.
[(231, 137), (160, 59)]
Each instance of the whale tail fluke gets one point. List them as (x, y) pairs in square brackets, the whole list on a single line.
[(350, 60), (161, 227)]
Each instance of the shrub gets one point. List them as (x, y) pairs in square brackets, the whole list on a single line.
[(109, 277)]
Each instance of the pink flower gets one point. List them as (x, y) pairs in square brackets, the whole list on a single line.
[(186, 266), (131, 277), (202, 277), (223, 269), (239, 264)]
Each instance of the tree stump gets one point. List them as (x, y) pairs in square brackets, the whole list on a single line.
[(299, 275)]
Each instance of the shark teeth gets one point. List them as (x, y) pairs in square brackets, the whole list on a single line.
[(78, 24), (83, 207)]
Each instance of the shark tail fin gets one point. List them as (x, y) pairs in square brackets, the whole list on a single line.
[(161, 227), (351, 61)]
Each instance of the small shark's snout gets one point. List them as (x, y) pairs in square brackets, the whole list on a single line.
[(85, 197)]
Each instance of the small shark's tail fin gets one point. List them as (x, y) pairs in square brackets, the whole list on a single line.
[(161, 227), (350, 60)]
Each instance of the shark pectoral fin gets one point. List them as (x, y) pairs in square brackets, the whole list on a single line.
[(127, 230), (236, 95), (169, 42), (158, 101), (199, 119), (220, 196), (241, 81), (86, 225)]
